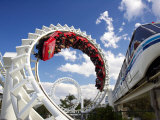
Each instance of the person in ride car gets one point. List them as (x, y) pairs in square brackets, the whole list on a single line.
[(57, 49), (98, 83)]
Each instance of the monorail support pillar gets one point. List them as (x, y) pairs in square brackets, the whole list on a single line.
[(155, 101)]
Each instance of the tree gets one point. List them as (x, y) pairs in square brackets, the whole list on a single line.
[(104, 113), (86, 102), (68, 101)]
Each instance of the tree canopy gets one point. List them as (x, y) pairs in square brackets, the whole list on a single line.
[(69, 102)]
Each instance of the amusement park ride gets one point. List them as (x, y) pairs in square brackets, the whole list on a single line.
[(20, 70)]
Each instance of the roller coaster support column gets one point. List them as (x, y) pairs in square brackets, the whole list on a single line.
[(7, 108), (82, 106)]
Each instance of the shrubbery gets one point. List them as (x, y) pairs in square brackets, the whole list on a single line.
[(105, 113)]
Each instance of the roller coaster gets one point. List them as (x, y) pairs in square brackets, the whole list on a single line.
[(20, 70)]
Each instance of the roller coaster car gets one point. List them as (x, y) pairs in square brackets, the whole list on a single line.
[(70, 38), (79, 45), (39, 46), (92, 50), (81, 42), (99, 84), (101, 74), (97, 60), (100, 71), (49, 46), (82, 39), (98, 68), (48, 49), (56, 34), (69, 34)]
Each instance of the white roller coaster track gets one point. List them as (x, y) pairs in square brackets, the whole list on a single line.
[(23, 74), (79, 94)]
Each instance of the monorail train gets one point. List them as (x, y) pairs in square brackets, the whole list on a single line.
[(142, 59), (54, 42)]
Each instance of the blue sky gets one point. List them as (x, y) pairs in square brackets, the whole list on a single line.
[(110, 22)]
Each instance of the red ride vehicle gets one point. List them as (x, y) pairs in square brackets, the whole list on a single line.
[(92, 50), (99, 84), (48, 49), (100, 71), (96, 59), (70, 38), (80, 43), (82, 39), (69, 34), (49, 46)]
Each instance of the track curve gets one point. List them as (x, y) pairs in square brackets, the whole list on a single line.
[(79, 94), (23, 74)]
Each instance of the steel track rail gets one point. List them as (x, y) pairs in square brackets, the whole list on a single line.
[(22, 74)]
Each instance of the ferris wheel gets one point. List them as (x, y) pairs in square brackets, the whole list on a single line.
[(24, 70)]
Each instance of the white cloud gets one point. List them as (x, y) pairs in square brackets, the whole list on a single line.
[(63, 89), (67, 54), (155, 7), (115, 63), (120, 29), (104, 16), (47, 86), (89, 91), (86, 68), (125, 36), (132, 8), (137, 25), (109, 38)]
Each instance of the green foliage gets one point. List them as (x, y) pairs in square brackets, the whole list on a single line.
[(86, 103), (148, 116), (104, 113), (68, 101)]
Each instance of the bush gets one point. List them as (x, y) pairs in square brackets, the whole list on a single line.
[(104, 113)]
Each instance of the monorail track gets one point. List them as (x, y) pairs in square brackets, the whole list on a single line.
[(141, 89)]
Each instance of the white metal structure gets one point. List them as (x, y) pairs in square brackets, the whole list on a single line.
[(79, 94), (20, 74)]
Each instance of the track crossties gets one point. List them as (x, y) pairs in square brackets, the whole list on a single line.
[(53, 43)]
